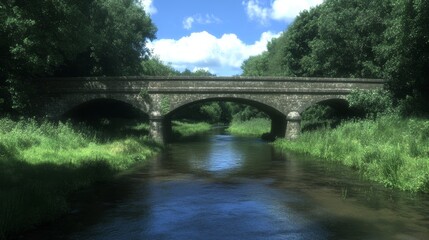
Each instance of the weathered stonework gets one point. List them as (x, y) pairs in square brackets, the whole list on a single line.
[(160, 97), (293, 128), (156, 126)]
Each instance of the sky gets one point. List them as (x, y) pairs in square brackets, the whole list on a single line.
[(218, 35)]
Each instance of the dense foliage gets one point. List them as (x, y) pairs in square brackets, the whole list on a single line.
[(359, 38), (406, 52), (69, 38), (371, 103)]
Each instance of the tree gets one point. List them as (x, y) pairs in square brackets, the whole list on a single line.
[(197, 73), (349, 33), (155, 67), (406, 51), (69, 38), (288, 52), (37, 37), (338, 38), (117, 45), (256, 65)]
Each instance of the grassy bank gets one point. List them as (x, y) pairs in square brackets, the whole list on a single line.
[(254, 127), (389, 150), (42, 163), (183, 129)]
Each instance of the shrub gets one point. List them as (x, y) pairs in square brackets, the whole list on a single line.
[(371, 103)]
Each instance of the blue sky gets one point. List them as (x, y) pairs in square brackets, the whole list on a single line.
[(218, 35)]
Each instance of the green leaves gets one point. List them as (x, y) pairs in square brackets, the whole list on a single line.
[(406, 51), (256, 65), (336, 39), (121, 29), (70, 38), (371, 103), (358, 39)]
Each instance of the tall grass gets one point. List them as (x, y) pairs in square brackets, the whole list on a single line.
[(183, 129), (390, 150), (254, 127), (42, 163)]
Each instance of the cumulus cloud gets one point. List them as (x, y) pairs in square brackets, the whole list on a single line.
[(278, 10), (200, 19), (148, 6), (203, 50)]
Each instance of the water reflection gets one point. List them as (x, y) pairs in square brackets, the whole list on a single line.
[(220, 155), (224, 187)]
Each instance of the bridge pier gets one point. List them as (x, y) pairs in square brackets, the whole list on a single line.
[(293, 128), (156, 128)]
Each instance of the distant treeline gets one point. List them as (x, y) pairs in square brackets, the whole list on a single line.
[(386, 39)]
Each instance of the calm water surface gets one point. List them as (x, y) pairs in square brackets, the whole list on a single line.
[(225, 187)]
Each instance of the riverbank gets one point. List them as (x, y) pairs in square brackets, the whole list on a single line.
[(389, 150), (41, 164), (184, 129), (255, 127)]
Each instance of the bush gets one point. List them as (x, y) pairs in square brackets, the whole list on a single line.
[(371, 103)]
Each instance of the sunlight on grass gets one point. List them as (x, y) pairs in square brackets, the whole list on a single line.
[(254, 127), (42, 163), (390, 150), (184, 129)]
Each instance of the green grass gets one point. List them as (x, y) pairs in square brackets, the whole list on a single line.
[(184, 129), (389, 150), (42, 163), (254, 127)]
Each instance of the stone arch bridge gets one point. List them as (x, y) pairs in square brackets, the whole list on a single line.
[(282, 98)]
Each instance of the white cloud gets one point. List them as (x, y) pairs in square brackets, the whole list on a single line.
[(223, 55), (187, 23), (278, 10), (148, 6), (289, 9), (200, 19), (257, 12)]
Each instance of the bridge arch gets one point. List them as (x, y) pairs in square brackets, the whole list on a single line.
[(329, 112), (334, 101), (104, 108), (268, 109), (278, 118), (59, 108)]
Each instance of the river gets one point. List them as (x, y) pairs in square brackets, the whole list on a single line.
[(217, 186)]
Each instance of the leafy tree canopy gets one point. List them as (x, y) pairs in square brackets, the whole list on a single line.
[(69, 38), (356, 38)]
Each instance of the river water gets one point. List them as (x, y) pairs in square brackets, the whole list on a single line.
[(217, 186)]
